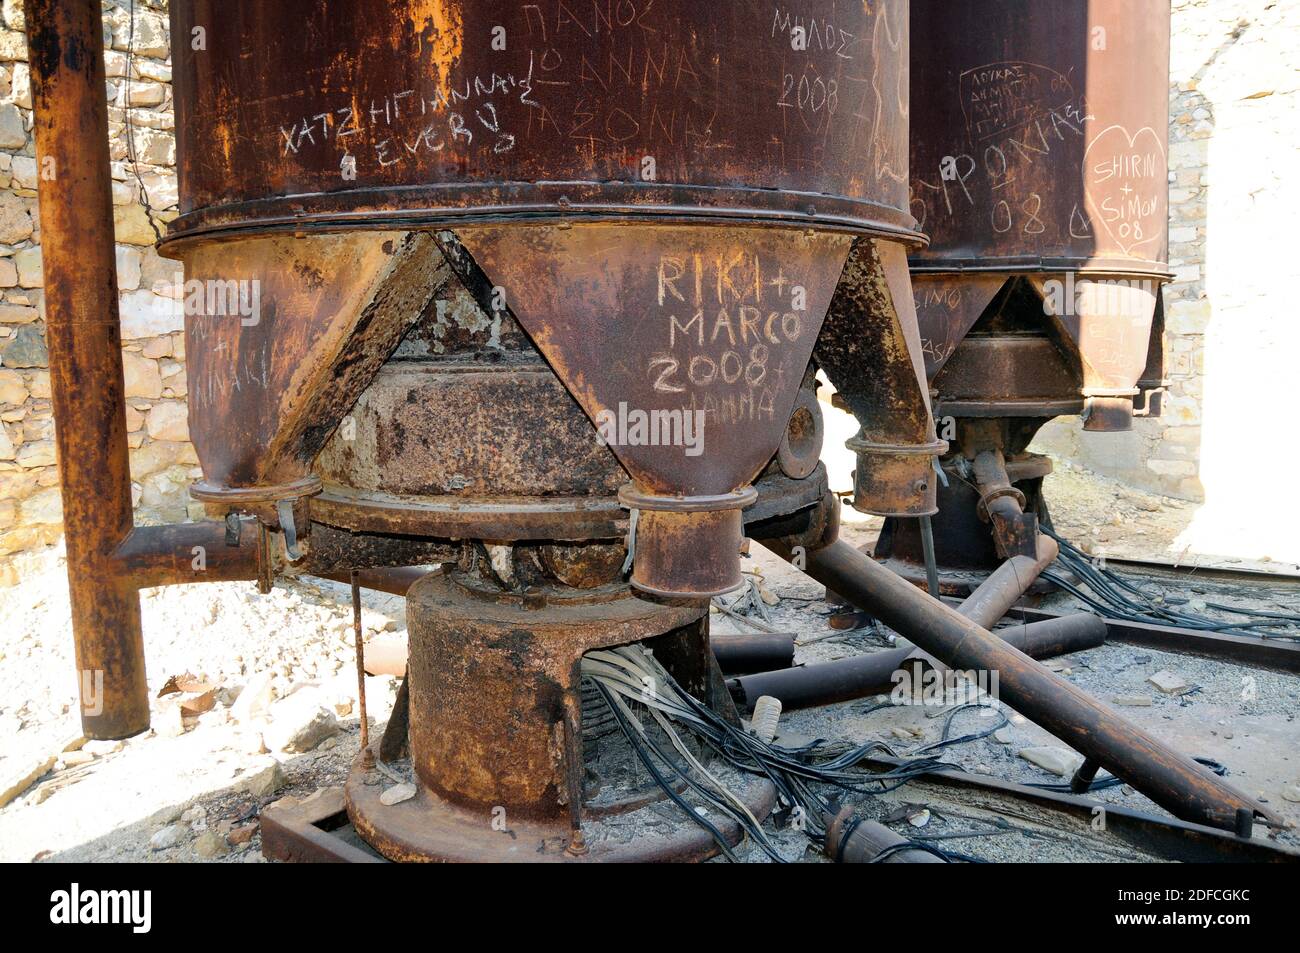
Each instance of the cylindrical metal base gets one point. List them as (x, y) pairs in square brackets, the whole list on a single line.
[(902, 475), (427, 828), (493, 676), (687, 547), (495, 727)]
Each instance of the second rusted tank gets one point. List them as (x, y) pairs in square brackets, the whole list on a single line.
[(1039, 170)]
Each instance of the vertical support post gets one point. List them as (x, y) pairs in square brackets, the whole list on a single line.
[(360, 642), (66, 54)]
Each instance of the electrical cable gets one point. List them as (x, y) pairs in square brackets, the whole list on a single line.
[(1116, 597), (631, 674)]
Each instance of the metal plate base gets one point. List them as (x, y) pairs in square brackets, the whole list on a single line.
[(429, 829)]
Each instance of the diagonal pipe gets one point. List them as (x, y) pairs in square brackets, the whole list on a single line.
[(1171, 779)]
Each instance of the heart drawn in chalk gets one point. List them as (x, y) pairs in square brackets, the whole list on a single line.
[(1126, 186)]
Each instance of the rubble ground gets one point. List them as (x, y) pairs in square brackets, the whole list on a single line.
[(277, 671)]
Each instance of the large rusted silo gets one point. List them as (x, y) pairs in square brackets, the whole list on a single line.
[(1039, 173), (435, 249)]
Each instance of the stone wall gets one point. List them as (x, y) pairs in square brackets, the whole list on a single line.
[(162, 460), (1231, 342)]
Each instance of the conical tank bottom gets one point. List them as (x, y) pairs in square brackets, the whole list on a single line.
[(685, 345)]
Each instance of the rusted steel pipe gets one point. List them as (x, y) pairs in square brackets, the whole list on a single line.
[(1007, 584), (1171, 779), (1014, 531), (752, 652), (66, 54), (187, 552), (394, 581), (810, 686), (851, 840)]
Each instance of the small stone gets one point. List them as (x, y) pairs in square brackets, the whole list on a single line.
[(299, 723), (12, 133), (211, 844), (141, 376), (1059, 761), (12, 388), (1003, 736), (168, 720), (15, 220), (196, 813), (38, 454), (169, 421), (168, 837), (920, 818), (266, 781), (397, 794), (242, 834), (31, 268), (1169, 683), (26, 348), (1292, 793), (1133, 701), (14, 783), (128, 268), (255, 699)]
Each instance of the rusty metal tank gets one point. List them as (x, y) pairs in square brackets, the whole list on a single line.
[(1039, 171), (538, 287), (663, 196)]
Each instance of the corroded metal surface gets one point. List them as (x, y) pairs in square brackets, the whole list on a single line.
[(880, 673), (493, 681), (470, 430), (442, 109), (71, 126), (870, 350), (712, 322), (429, 829), (1039, 170), (1039, 146), (267, 389), (686, 345), (1040, 134), (491, 676), (714, 124)]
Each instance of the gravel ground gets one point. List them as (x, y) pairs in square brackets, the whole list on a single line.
[(191, 788)]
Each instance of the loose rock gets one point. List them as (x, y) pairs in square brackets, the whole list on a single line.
[(1169, 683), (211, 844), (397, 794), (266, 781), (1134, 701), (168, 837), (299, 723), (1059, 761)]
